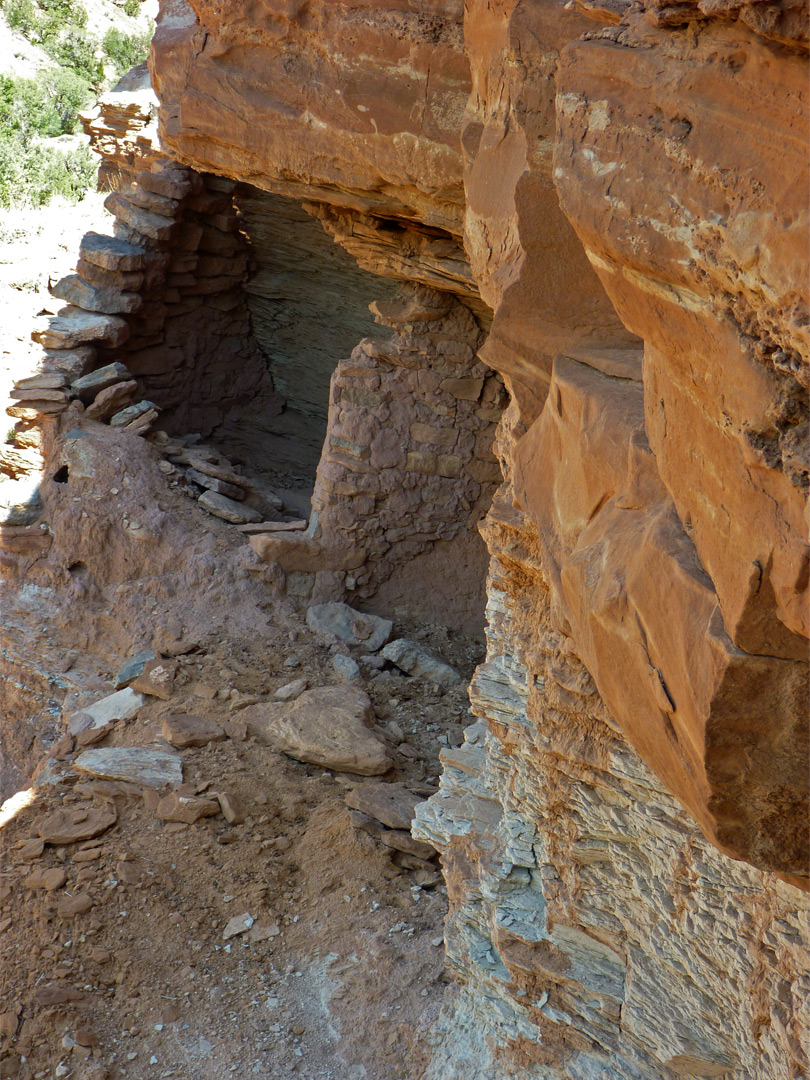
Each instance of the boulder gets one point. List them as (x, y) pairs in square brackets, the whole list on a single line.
[(370, 632), (414, 660), (328, 726)]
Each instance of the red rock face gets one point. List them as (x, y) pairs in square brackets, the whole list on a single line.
[(529, 266), (724, 729), (355, 104), (694, 212)]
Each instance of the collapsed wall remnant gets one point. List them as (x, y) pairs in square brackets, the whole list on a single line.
[(574, 201)]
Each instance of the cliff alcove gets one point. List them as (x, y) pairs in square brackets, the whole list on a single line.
[(587, 343)]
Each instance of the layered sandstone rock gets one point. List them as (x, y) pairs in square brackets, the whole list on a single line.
[(613, 828), (369, 121)]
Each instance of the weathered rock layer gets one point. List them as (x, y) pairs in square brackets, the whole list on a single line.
[(598, 209)]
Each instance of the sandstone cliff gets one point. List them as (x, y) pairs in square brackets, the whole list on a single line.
[(597, 211)]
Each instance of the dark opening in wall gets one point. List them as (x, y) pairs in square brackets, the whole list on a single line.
[(308, 303)]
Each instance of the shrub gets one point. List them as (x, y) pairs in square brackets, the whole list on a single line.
[(21, 15), (125, 50), (32, 110)]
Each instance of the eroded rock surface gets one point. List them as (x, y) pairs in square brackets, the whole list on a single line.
[(599, 210)]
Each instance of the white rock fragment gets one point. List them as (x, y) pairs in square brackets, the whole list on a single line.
[(137, 764), (122, 705)]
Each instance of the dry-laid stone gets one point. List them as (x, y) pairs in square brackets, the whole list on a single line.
[(414, 660), (199, 462), (182, 730), (392, 804), (111, 400), (45, 381), (221, 487), (70, 826), (87, 386), (109, 301), (122, 705), (111, 253), (275, 526), (328, 726), (352, 627), (138, 764), (185, 808), (78, 327), (38, 394), (132, 413), (400, 840), (223, 507)]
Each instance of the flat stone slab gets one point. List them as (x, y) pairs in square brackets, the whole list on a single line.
[(46, 381), (137, 764), (414, 660), (153, 226), (111, 400), (109, 301), (182, 730), (223, 507), (221, 487), (274, 526), (370, 632), (69, 362), (212, 469), (392, 804), (328, 726), (77, 327), (87, 386), (71, 826), (132, 412), (111, 253), (401, 840), (122, 705)]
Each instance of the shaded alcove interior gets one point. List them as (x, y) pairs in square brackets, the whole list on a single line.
[(308, 303)]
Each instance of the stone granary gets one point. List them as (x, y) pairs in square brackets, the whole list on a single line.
[(533, 272)]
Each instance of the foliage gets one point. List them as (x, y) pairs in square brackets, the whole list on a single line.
[(125, 50), (32, 173), (45, 106), (33, 110)]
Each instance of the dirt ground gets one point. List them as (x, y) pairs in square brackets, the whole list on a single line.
[(115, 963)]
